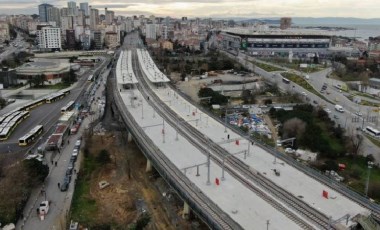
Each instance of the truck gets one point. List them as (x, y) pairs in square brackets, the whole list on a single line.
[(339, 108)]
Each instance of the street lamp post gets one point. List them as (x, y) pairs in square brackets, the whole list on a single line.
[(370, 164)]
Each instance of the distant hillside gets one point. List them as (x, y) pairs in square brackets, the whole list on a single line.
[(335, 21), (316, 21), (254, 20)]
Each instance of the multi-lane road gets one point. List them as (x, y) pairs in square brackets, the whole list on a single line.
[(9, 50), (348, 120), (46, 115), (284, 200)]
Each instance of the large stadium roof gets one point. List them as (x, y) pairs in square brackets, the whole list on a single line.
[(251, 31)]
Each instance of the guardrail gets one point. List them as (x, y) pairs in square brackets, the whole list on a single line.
[(209, 212), (317, 175)]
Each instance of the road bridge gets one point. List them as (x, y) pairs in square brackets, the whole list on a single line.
[(292, 199)]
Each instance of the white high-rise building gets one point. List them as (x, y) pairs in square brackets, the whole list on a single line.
[(49, 38), (150, 30)]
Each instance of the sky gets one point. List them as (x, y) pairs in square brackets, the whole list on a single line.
[(215, 8)]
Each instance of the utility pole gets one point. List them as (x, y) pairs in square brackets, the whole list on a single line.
[(370, 164)]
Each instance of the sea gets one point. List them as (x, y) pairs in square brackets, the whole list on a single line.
[(361, 31)]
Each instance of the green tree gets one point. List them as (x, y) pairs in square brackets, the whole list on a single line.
[(246, 96), (36, 170), (39, 80), (3, 102), (103, 157)]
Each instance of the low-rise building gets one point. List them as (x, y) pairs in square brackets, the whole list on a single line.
[(111, 40), (52, 71), (4, 31), (374, 83), (167, 45)]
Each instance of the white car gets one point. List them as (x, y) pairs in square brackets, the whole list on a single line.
[(75, 153), (303, 93), (289, 150), (358, 113), (327, 110)]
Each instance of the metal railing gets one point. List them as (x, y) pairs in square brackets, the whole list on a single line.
[(208, 211), (317, 175)]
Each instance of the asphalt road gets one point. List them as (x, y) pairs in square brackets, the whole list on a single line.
[(345, 120), (47, 115), (60, 202), (11, 49)]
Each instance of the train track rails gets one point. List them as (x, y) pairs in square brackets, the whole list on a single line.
[(237, 168), (211, 213)]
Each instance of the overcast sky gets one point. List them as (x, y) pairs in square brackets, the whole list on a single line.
[(217, 8)]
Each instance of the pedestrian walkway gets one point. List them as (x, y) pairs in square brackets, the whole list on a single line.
[(60, 202)]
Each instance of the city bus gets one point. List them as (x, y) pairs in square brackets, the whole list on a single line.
[(68, 107), (10, 125), (30, 136), (90, 78), (55, 97), (33, 104), (285, 80), (65, 91), (372, 131)]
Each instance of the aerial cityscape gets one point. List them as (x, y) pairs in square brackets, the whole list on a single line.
[(190, 114)]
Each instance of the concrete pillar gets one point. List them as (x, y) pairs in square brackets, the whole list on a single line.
[(186, 211), (129, 138), (148, 166)]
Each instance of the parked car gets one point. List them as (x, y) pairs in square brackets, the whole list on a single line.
[(73, 158), (75, 153), (71, 165), (289, 150), (358, 113), (69, 171), (64, 186), (78, 143)]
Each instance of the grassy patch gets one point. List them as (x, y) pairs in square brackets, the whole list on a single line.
[(263, 138), (347, 77), (294, 65), (365, 95), (304, 84), (373, 140), (84, 207), (369, 103), (56, 86), (356, 175), (266, 67)]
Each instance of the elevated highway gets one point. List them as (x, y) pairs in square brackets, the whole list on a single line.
[(179, 140)]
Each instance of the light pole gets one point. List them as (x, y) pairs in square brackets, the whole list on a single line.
[(370, 164)]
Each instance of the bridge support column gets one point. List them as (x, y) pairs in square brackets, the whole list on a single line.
[(148, 166), (129, 138), (186, 211)]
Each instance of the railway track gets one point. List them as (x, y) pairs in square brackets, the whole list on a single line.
[(198, 140), (216, 215)]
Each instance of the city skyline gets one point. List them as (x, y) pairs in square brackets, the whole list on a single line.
[(215, 8)]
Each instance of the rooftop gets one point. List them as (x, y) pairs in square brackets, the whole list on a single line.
[(245, 31)]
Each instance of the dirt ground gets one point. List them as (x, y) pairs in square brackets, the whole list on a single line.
[(121, 201)]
